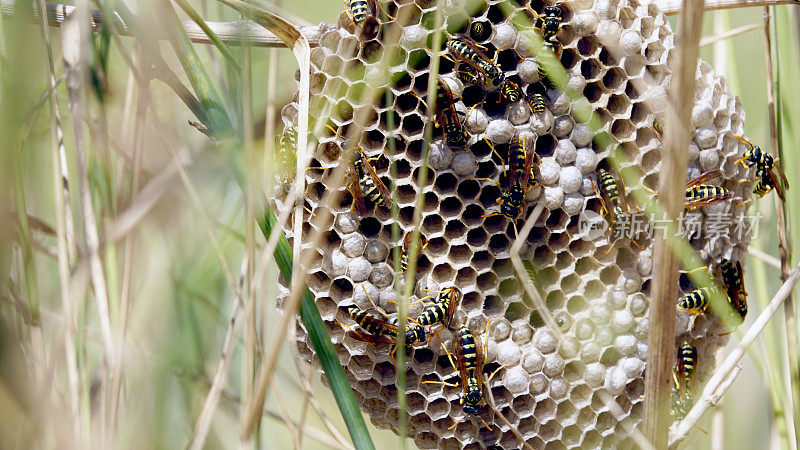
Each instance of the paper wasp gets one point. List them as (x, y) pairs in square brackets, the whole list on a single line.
[(698, 195), (682, 397), (470, 360), (469, 52), (732, 278), (365, 182), (421, 244), (768, 174), (536, 102), (729, 283), (613, 200), (377, 330), (549, 21), (521, 177), (510, 91), (447, 117), (361, 9), (469, 74), (442, 309), (550, 53), (697, 301), (479, 31), (687, 361)]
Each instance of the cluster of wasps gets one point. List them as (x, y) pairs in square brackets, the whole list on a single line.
[(374, 326), (474, 67)]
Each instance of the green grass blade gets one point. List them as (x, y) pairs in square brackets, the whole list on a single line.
[(321, 341), (221, 46), (219, 122)]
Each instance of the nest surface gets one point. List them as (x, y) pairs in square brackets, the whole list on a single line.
[(553, 391)]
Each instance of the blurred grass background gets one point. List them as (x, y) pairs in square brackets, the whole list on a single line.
[(180, 299)]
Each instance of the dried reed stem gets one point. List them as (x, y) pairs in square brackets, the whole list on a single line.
[(792, 412), (65, 239), (661, 335), (710, 40), (722, 378), (203, 423), (670, 7), (232, 33)]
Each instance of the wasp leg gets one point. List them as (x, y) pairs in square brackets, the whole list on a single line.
[(746, 202), (485, 179)]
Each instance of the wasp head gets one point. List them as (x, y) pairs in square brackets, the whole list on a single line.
[(552, 11)]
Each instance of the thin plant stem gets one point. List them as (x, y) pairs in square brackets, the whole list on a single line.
[(661, 334), (792, 412), (64, 227)]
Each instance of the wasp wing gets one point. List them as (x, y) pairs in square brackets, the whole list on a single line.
[(710, 175), (358, 195), (363, 336), (776, 182), (382, 189), (530, 155), (452, 304)]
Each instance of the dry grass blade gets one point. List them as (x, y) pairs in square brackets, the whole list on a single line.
[(198, 437), (64, 237), (674, 6), (723, 376), (293, 39), (710, 40), (792, 412), (232, 33), (661, 335), (74, 38), (212, 36)]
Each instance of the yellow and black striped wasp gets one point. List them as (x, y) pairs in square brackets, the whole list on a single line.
[(697, 301), (447, 117), (468, 73), (406, 249), (536, 102), (768, 173), (698, 195), (732, 278), (377, 330), (442, 309), (360, 10), (469, 52), (682, 389), (510, 91), (549, 21), (549, 54), (729, 283), (470, 359), (365, 182), (521, 177), (614, 205)]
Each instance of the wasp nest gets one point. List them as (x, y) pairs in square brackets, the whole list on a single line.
[(552, 389)]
